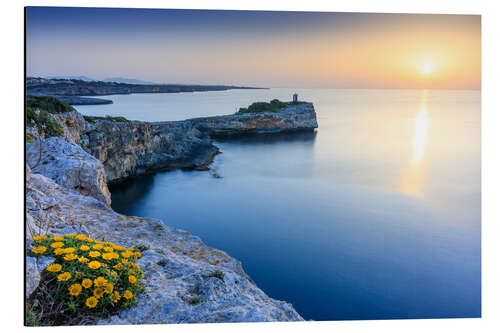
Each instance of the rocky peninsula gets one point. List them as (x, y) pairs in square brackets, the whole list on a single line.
[(67, 179)]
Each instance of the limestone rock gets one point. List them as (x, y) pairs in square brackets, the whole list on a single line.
[(73, 124), (34, 266), (133, 148), (300, 117), (32, 276), (68, 165)]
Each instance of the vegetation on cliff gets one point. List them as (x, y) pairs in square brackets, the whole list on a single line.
[(274, 106), (89, 279), (43, 122), (92, 119), (48, 103), (38, 113)]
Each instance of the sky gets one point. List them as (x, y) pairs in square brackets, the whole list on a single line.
[(257, 48)]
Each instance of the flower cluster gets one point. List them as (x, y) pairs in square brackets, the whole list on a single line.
[(90, 274)]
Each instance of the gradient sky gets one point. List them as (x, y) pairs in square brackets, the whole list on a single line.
[(257, 48)]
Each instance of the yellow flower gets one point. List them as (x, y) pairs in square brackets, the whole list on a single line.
[(114, 273), (56, 245), (117, 247), (69, 250), (84, 248), (64, 276), (108, 288), (108, 255), (58, 238), (97, 246), (75, 289), (83, 260), (38, 238), (54, 268), (100, 282), (81, 237), (70, 256), (91, 302), (87, 283), (128, 294), (138, 254), (94, 254), (108, 249), (98, 292), (58, 251), (39, 249), (118, 267), (126, 254), (90, 240), (114, 255), (71, 234), (124, 261), (115, 297), (132, 279), (94, 264)]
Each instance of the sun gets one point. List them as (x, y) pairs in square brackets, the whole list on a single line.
[(426, 69)]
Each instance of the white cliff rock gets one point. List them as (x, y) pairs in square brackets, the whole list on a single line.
[(68, 165)]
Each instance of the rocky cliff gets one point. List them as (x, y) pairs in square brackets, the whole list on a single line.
[(299, 117), (66, 191), (133, 148)]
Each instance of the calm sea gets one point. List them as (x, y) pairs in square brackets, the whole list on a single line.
[(377, 215)]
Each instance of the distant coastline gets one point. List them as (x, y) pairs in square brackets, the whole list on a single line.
[(71, 90)]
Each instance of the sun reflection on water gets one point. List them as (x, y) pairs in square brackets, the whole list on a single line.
[(414, 173)]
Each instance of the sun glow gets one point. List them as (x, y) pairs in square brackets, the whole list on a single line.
[(426, 69)]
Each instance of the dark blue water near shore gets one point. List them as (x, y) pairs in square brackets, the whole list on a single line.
[(374, 216)]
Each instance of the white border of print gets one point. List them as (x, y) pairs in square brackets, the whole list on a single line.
[(12, 166)]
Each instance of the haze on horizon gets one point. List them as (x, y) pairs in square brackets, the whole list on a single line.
[(257, 48)]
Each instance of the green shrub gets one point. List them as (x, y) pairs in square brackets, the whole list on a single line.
[(274, 106), (88, 279), (43, 122), (48, 103), (32, 318), (218, 274), (141, 248), (195, 300), (92, 119)]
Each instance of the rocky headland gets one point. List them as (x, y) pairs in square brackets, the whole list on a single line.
[(66, 191)]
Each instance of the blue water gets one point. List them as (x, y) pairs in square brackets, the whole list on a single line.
[(377, 215)]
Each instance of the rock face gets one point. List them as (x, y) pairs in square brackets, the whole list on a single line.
[(300, 117), (177, 267), (68, 165), (133, 148), (73, 124)]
